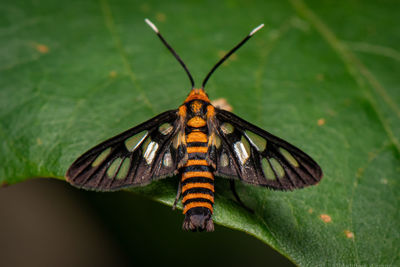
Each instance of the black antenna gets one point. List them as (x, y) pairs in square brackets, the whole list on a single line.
[(230, 53), (170, 49)]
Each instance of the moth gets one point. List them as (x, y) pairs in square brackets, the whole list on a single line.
[(197, 142)]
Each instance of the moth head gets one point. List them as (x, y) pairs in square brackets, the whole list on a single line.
[(197, 94)]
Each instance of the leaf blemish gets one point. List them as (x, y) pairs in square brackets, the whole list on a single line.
[(113, 74), (41, 48), (145, 8), (161, 17), (360, 172), (384, 181), (325, 218), (321, 122), (310, 210), (222, 103), (222, 53), (300, 24), (320, 77), (39, 141), (349, 234)]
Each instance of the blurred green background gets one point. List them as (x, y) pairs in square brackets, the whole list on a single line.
[(323, 75)]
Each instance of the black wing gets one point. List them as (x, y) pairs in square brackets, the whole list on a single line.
[(260, 158), (134, 157)]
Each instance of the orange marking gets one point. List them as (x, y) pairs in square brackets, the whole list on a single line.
[(192, 162), (346, 232), (196, 122), (325, 218), (198, 94), (182, 111), (198, 195), (210, 111), (197, 185), (197, 137), (187, 175), (196, 106), (42, 48), (197, 204), (197, 149)]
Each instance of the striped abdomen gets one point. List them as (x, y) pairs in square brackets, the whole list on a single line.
[(197, 184)]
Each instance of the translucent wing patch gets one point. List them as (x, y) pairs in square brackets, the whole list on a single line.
[(257, 157), (135, 157)]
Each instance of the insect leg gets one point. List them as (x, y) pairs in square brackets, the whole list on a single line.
[(233, 188)]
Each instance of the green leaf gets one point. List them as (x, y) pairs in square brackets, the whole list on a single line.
[(323, 75)]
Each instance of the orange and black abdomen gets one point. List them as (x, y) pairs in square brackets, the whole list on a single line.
[(197, 178)]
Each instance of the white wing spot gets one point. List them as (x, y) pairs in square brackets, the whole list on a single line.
[(167, 161), (224, 161), (150, 152), (241, 152)]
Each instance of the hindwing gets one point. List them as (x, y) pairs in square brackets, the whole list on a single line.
[(260, 158), (134, 157)]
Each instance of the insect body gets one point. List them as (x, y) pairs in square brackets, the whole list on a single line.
[(197, 141)]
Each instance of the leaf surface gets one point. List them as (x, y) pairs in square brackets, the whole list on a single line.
[(323, 75)]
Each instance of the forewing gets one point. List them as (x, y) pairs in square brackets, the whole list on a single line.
[(260, 158), (134, 157)]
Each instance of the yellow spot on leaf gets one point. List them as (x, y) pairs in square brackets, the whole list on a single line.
[(310, 210), (325, 218), (320, 77), (349, 234), (222, 53), (145, 8), (332, 112), (39, 141), (42, 48), (384, 181), (113, 74), (161, 17), (321, 122), (360, 172)]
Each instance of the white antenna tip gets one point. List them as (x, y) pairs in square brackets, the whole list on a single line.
[(151, 24), (256, 29)]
